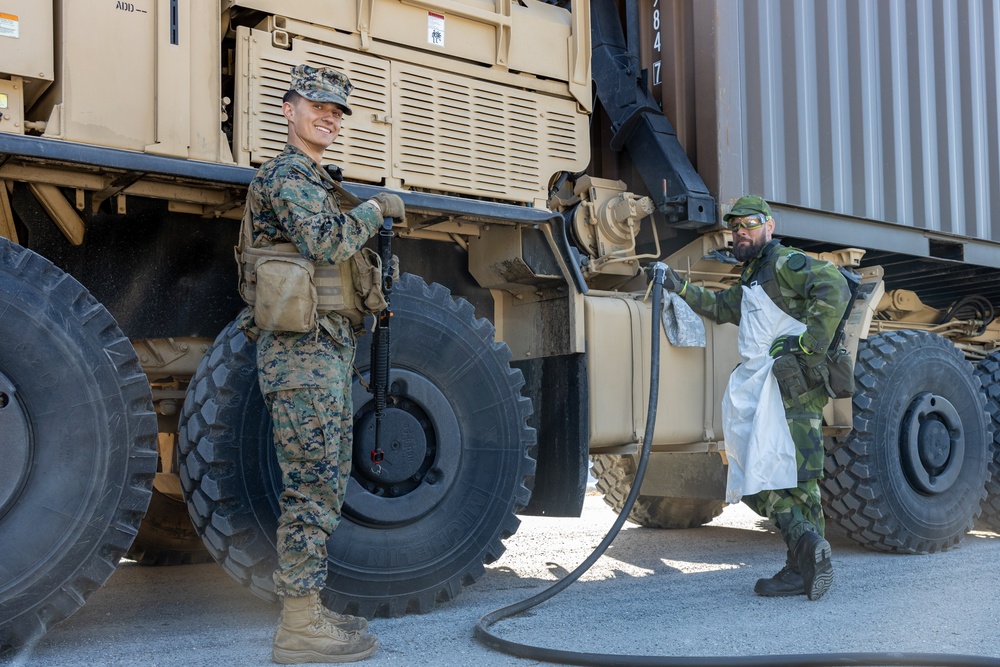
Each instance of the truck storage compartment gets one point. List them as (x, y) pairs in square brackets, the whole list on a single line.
[(27, 60), (136, 76)]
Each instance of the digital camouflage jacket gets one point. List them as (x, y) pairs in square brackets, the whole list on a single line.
[(292, 200)]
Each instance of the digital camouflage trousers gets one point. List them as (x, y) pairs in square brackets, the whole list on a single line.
[(313, 443)]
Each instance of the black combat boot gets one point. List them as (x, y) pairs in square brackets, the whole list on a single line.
[(812, 554), (787, 582)]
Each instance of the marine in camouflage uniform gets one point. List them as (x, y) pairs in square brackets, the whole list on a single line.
[(815, 293), (305, 376)]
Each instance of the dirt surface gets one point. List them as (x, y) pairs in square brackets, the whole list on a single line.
[(656, 592)]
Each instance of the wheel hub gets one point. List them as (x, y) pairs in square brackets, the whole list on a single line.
[(16, 445), (933, 443), (421, 445), (403, 445)]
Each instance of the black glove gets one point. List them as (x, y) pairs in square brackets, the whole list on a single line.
[(788, 345), (672, 282), (391, 205)]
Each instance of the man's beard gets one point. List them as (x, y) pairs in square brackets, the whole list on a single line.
[(746, 252)]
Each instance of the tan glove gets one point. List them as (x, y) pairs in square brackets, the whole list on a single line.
[(391, 205)]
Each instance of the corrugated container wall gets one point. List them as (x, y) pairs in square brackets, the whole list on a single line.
[(871, 111)]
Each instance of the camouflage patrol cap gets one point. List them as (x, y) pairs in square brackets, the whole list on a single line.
[(748, 205), (322, 84)]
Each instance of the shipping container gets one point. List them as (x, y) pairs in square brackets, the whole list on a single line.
[(871, 124)]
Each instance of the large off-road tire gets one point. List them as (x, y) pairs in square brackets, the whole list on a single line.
[(78, 438), (911, 475), (458, 462), (615, 475), (988, 372), (167, 536)]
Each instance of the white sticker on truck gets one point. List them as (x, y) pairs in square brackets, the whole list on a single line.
[(435, 29), (9, 26)]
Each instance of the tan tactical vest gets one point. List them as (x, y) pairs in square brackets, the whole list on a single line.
[(289, 292)]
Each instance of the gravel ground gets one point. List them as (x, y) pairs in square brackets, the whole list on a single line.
[(655, 592)]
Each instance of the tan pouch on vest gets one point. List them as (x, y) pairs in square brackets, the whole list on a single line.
[(286, 294), (368, 280), (352, 289)]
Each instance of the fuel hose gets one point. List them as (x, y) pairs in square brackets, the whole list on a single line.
[(558, 656)]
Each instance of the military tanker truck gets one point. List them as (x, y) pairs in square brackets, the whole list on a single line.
[(546, 152)]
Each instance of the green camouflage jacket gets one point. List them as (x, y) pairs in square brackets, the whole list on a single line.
[(292, 199), (811, 290)]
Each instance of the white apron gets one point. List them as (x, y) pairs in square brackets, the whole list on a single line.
[(758, 443)]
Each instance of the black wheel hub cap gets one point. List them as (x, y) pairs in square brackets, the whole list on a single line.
[(404, 452), (15, 436), (421, 451), (933, 443)]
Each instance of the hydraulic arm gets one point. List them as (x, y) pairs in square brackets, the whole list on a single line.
[(640, 127)]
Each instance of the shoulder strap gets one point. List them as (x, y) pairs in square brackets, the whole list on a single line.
[(764, 275), (336, 175), (246, 228), (345, 195), (243, 285)]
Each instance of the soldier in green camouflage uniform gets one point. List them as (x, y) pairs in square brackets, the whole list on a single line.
[(815, 293), (305, 376)]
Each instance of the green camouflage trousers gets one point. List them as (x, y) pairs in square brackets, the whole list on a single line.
[(799, 510), (794, 511), (805, 423), (313, 442)]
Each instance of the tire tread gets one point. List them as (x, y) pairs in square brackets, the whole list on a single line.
[(212, 485), (71, 304), (853, 488)]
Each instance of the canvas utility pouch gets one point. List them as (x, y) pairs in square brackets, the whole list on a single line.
[(791, 379), (325, 288), (840, 374), (367, 276), (286, 298)]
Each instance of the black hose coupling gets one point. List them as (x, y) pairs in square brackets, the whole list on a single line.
[(658, 270)]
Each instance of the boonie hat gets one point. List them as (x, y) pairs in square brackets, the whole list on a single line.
[(748, 205), (322, 84)]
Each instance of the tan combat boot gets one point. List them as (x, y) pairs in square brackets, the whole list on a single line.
[(345, 622), (305, 636)]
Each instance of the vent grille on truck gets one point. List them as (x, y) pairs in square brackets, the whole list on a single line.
[(473, 140), (418, 126), (363, 145)]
